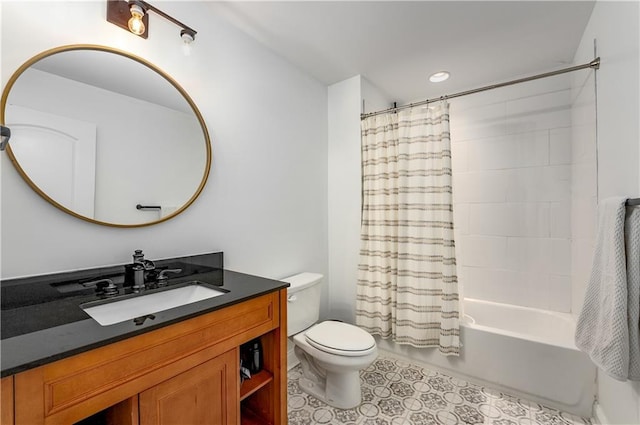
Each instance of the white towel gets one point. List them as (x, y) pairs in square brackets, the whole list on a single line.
[(607, 328), (632, 244)]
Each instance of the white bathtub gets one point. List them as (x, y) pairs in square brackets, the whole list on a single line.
[(523, 351)]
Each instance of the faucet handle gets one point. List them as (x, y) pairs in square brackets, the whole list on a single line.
[(162, 277), (107, 287)]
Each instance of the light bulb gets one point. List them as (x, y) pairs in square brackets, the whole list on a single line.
[(186, 49), (187, 38), (135, 24)]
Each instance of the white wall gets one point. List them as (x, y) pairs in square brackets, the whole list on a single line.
[(344, 196), (344, 172), (511, 153), (265, 204), (615, 26)]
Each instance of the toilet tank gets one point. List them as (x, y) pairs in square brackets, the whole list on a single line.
[(303, 301)]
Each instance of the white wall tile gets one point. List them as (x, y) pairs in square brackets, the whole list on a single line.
[(459, 157), (532, 148), (484, 251), (540, 184), (560, 261), (489, 154), (462, 279), (479, 122), (488, 186), (509, 219), (559, 293), (533, 289), (583, 143), (528, 254), (541, 86), (545, 111), (490, 219), (513, 151), (584, 178), (584, 219), (532, 219), (461, 218), (513, 174), (581, 263), (583, 93), (560, 219), (560, 146), (528, 289), (497, 285)]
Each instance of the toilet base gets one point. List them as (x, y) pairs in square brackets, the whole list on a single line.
[(337, 389), (341, 391)]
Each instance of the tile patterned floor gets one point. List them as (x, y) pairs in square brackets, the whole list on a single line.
[(396, 392)]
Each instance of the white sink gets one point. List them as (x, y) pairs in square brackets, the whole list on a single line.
[(130, 308)]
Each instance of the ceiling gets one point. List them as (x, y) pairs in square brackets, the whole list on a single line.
[(396, 45)]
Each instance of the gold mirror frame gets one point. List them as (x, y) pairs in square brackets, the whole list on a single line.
[(23, 174)]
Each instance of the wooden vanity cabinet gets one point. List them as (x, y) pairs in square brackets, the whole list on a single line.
[(6, 400), (186, 373), (206, 394)]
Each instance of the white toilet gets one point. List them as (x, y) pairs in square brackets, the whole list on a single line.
[(331, 353)]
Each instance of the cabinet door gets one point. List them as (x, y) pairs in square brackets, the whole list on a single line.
[(207, 394)]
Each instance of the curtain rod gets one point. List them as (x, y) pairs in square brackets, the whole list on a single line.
[(595, 64)]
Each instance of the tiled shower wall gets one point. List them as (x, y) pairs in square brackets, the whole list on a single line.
[(511, 151), (584, 184)]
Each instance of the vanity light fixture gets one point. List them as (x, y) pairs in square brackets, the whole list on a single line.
[(135, 23), (439, 77), (133, 16)]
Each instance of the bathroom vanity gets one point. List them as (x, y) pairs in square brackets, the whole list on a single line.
[(181, 365)]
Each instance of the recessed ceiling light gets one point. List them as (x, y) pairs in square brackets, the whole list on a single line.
[(439, 77)]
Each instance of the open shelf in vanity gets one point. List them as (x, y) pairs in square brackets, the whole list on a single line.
[(264, 395), (256, 382)]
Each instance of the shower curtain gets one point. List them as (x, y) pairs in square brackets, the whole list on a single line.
[(407, 284)]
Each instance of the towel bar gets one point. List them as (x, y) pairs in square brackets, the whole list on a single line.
[(148, 207)]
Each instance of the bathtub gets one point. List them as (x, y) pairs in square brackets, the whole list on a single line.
[(522, 351)]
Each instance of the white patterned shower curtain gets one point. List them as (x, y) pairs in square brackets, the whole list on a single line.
[(407, 283)]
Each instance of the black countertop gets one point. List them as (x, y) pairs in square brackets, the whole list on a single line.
[(42, 320)]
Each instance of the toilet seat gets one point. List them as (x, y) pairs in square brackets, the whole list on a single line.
[(341, 339)]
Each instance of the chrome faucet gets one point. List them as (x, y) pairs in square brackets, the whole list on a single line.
[(139, 268)]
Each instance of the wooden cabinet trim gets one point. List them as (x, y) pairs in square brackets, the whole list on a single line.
[(73, 388), (6, 404), (138, 361)]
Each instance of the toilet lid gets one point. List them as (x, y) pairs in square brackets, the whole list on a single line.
[(340, 338)]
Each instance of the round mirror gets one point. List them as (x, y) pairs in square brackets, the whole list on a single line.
[(105, 136)]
